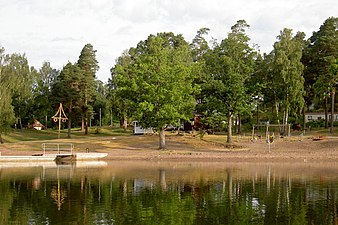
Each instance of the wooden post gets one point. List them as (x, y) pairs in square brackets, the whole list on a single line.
[(60, 116), (46, 122), (253, 132), (59, 126)]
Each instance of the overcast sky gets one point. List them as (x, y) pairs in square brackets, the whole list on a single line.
[(57, 30)]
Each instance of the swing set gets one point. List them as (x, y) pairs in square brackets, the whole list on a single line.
[(267, 131)]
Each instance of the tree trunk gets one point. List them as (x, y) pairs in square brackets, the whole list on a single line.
[(304, 119), (326, 112), (1, 140), (111, 118), (20, 123), (162, 139), (46, 127), (283, 121), (239, 131), (277, 112), (332, 109), (86, 125), (82, 123), (69, 127), (277, 115), (286, 121), (229, 137), (257, 116), (124, 122)]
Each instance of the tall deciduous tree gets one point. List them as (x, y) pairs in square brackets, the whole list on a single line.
[(7, 116), (199, 49), (120, 106), (100, 103), (19, 72), (287, 71), (159, 82), (16, 79), (42, 91), (89, 65), (229, 65)]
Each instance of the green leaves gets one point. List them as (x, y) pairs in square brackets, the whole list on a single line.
[(16, 79), (228, 67), (156, 77)]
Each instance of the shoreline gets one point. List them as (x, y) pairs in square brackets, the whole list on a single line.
[(192, 149)]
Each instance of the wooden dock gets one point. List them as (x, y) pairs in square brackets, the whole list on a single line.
[(55, 152)]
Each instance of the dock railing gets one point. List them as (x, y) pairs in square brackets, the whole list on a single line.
[(60, 148)]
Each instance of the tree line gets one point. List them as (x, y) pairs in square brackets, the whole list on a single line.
[(28, 94), (165, 79)]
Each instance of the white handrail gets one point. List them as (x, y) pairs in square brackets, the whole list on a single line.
[(66, 147)]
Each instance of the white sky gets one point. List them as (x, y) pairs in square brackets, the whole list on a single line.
[(57, 30)]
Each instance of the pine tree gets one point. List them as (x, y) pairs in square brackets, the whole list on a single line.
[(89, 65), (66, 90), (320, 53)]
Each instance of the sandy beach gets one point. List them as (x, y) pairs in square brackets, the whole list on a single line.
[(192, 148)]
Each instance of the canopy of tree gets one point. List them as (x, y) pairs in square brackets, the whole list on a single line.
[(158, 81)]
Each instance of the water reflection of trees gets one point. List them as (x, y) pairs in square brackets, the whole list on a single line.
[(252, 199)]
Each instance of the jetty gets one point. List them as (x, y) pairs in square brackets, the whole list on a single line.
[(55, 152)]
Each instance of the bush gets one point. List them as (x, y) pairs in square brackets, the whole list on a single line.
[(315, 124), (97, 130)]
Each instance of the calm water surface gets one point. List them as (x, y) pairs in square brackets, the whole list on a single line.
[(168, 193)]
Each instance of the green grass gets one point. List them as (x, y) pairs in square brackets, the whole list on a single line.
[(17, 135)]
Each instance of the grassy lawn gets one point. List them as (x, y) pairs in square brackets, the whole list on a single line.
[(29, 139), (50, 134)]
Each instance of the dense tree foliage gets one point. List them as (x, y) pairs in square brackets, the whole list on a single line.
[(100, 104), (16, 83), (7, 116), (285, 75), (228, 67), (89, 65), (158, 81), (320, 53), (120, 106), (333, 84), (42, 93), (66, 90)]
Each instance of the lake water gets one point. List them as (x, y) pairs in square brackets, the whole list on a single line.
[(168, 193)]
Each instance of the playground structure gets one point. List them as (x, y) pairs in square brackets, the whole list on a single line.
[(268, 131)]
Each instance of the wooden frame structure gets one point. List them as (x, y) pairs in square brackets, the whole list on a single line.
[(286, 127), (60, 116)]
